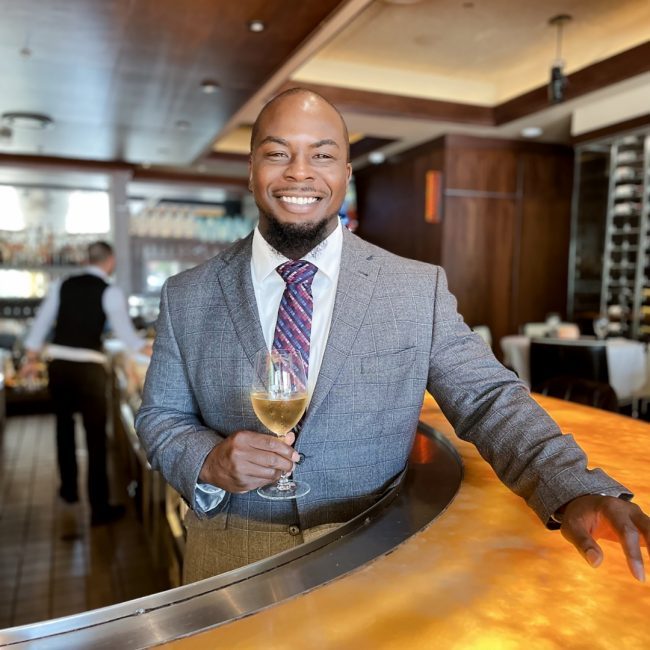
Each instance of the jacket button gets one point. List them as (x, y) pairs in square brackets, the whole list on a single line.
[(294, 530), (302, 457)]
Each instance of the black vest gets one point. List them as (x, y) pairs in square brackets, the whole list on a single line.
[(81, 317)]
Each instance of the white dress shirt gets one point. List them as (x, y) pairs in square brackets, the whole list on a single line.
[(269, 287), (114, 306)]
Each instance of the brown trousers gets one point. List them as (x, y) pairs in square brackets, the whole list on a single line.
[(212, 548)]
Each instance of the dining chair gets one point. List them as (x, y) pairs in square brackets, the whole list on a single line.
[(581, 391), (549, 359), (536, 330)]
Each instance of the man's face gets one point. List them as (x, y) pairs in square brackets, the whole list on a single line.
[(298, 168)]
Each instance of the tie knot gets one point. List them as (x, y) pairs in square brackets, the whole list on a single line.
[(297, 272)]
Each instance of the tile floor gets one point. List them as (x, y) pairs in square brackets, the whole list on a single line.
[(52, 563)]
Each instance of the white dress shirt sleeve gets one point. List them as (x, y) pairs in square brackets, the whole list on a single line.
[(114, 305), (207, 497), (45, 318)]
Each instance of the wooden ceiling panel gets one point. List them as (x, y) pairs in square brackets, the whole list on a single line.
[(121, 78), (117, 76)]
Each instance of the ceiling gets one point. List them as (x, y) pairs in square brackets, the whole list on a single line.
[(121, 79)]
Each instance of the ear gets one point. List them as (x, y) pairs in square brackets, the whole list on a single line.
[(348, 172), (250, 173)]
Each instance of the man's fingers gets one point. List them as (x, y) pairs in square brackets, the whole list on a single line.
[(642, 522), (610, 518), (249, 459), (629, 524), (270, 455), (271, 462), (263, 472), (578, 535), (630, 543), (279, 446)]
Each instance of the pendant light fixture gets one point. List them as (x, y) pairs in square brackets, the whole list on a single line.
[(558, 82)]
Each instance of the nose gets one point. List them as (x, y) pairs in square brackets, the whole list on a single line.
[(299, 169)]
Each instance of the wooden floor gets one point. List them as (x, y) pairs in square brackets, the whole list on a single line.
[(52, 563)]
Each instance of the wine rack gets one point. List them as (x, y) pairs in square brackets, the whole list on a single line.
[(609, 271), (625, 293)]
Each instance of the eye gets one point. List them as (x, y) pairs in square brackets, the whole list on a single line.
[(323, 156)]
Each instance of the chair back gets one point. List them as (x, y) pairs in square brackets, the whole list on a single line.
[(581, 391), (554, 359), (536, 330)]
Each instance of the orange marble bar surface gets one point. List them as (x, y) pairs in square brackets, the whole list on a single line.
[(485, 575)]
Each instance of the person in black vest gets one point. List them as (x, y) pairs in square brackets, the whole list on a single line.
[(80, 307)]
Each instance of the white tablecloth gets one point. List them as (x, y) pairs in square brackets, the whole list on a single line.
[(626, 362)]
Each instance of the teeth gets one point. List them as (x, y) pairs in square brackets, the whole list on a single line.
[(299, 200)]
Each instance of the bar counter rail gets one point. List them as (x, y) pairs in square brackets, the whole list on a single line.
[(432, 479)]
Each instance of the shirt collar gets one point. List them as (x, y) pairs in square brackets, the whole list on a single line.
[(95, 270), (326, 256)]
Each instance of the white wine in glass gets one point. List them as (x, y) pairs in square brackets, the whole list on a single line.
[(279, 397)]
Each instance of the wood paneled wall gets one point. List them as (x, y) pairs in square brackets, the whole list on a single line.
[(504, 235)]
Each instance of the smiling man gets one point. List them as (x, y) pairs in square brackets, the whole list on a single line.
[(380, 331), (299, 172)]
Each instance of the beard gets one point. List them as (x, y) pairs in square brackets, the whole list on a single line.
[(294, 240)]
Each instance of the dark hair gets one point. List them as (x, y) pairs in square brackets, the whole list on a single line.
[(296, 91), (99, 252)]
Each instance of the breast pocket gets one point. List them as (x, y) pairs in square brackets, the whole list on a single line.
[(388, 363)]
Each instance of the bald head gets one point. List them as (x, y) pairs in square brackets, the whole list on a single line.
[(310, 98)]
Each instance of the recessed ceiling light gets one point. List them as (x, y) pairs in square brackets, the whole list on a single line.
[(376, 157), (209, 86), (532, 131), (22, 120), (256, 26)]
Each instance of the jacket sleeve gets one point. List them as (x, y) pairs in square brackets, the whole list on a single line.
[(488, 406), (168, 422)]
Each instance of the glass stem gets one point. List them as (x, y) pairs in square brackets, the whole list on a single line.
[(284, 483)]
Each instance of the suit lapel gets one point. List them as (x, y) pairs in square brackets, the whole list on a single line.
[(237, 287), (357, 279)]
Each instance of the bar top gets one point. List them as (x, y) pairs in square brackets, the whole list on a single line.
[(485, 574)]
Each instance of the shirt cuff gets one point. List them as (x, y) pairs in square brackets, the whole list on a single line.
[(207, 497)]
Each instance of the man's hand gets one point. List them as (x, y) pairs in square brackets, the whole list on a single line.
[(30, 366), (593, 516), (247, 460)]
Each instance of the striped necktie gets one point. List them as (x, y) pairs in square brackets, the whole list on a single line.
[(293, 327)]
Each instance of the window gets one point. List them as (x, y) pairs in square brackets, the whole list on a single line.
[(88, 212), (11, 212)]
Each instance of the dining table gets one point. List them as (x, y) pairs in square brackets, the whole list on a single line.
[(627, 361)]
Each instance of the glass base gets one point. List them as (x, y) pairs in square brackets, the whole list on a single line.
[(293, 490)]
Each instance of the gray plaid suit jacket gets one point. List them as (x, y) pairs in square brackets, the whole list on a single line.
[(395, 333)]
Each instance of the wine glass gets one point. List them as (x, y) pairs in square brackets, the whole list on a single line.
[(601, 326), (279, 397)]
